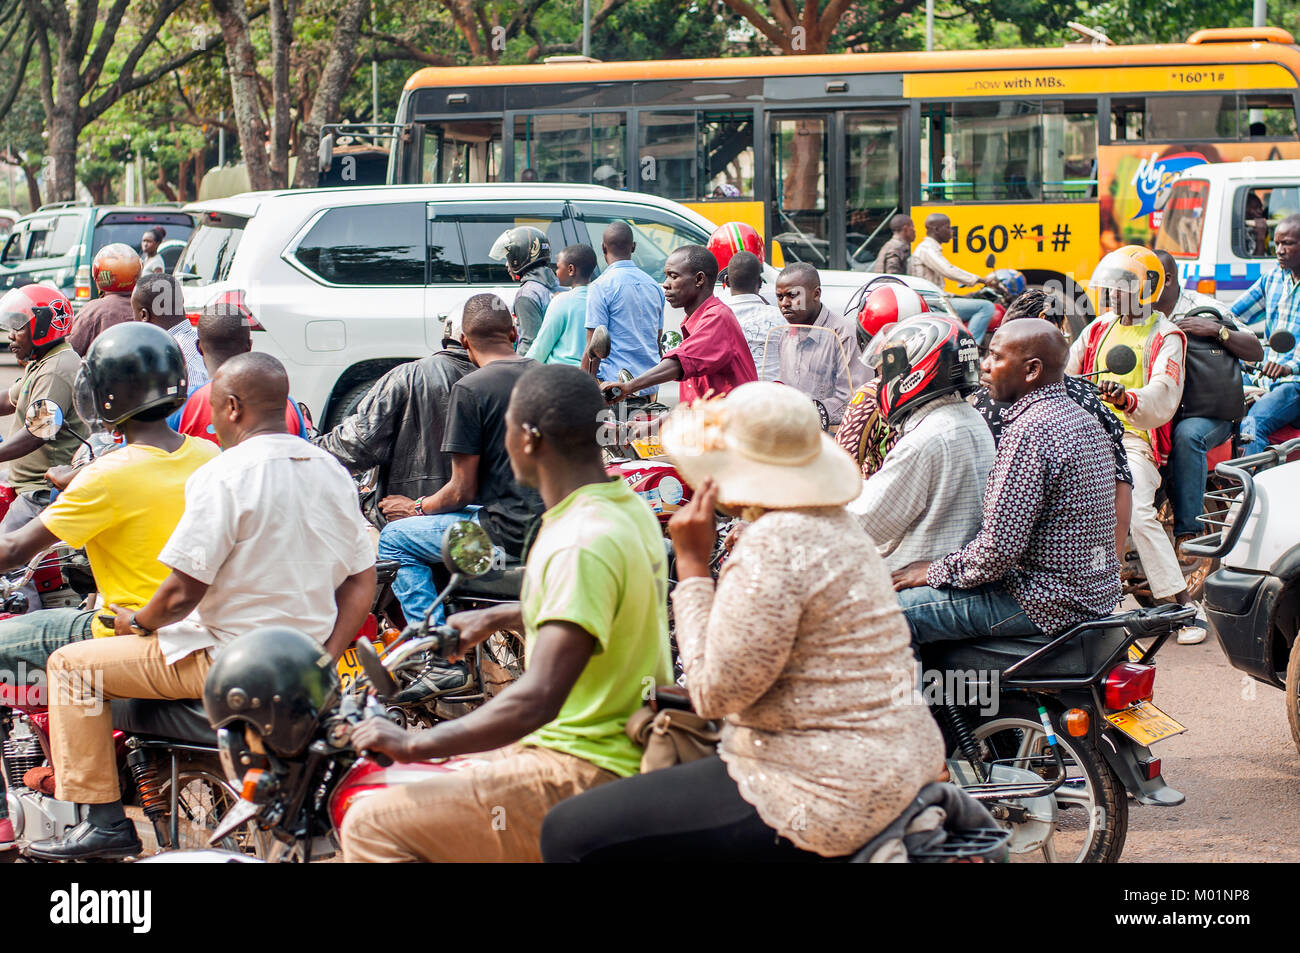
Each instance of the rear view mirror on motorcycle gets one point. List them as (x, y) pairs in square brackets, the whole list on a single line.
[(467, 549), (44, 419), (598, 346), (669, 340), (1120, 360), (1282, 341)]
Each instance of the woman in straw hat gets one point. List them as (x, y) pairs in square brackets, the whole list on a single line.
[(800, 646)]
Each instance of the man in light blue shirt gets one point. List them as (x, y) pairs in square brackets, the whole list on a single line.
[(563, 335), (629, 304)]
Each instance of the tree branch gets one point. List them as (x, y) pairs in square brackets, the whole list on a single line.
[(106, 36), (762, 24), (19, 75)]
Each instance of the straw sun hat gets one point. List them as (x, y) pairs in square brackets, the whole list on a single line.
[(764, 447)]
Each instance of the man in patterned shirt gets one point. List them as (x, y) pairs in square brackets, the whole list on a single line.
[(157, 299), (1044, 558)]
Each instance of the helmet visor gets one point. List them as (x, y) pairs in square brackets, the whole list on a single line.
[(15, 310), (872, 356), (498, 250), (1116, 273), (83, 399)]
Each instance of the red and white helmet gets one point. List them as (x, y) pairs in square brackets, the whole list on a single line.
[(728, 239), (45, 311), (889, 304)]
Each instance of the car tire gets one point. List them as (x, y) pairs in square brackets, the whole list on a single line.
[(344, 407)]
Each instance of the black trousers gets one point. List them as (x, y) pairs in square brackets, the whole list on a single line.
[(691, 812)]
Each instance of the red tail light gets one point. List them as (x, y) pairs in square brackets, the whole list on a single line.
[(1129, 683), (1151, 768), (235, 299)]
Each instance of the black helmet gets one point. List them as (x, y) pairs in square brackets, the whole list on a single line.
[(521, 248), (130, 368), (923, 358), (277, 680)]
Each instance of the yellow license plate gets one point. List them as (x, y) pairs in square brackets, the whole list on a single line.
[(349, 665), (647, 448), (1135, 652), (1145, 723)]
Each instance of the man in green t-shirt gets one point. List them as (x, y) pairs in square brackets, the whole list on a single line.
[(595, 618)]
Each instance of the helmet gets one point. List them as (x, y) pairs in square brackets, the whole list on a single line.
[(45, 311), (925, 358), (115, 267), (728, 239), (521, 248), (1012, 280), (278, 681), (889, 304), (1134, 270), (131, 367)]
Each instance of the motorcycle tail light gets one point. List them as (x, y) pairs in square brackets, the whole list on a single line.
[(1129, 683), (251, 778), (1151, 768), (1077, 722)]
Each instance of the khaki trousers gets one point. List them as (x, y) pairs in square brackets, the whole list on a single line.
[(490, 812), (1154, 548), (83, 678)]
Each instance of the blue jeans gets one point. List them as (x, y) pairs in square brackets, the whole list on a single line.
[(415, 543), (975, 313), (1279, 408), (939, 615), (1194, 437)]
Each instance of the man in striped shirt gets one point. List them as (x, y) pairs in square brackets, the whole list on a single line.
[(1277, 295), (158, 300)]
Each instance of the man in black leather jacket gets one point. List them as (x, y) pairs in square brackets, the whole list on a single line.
[(398, 426)]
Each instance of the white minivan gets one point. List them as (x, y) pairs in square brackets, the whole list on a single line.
[(343, 284), (1218, 223)]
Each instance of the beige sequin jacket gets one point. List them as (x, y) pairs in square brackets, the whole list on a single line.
[(804, 650)]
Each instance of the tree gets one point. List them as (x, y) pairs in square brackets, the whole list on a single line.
[(74, 44), (339, 67)]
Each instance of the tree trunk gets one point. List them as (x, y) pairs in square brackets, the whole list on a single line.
[(281, 39), (241, 60), (63, 150), (33, 187), (340, 63)]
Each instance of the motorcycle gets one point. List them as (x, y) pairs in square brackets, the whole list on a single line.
[(1054, 734), (1252, 601)]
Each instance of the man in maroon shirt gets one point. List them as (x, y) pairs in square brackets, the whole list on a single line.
[(714, 357), (115, 269)]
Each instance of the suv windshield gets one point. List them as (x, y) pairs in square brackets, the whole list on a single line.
[(211, 251)]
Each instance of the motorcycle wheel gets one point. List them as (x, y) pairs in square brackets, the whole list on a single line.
[(506, 651), (1292, 665), (203, 800), (1092, 805)]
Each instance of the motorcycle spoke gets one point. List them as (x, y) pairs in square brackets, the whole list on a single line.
[(1049, 849)]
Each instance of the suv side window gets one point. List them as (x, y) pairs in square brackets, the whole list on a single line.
[(481, 226), (657, 233), (367, 245), (58, 238), (14, 247), (1256, 212)]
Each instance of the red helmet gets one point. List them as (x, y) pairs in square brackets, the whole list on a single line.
[(44, 310), (728, 239), (889, 304), (925, 358), (115, 267)]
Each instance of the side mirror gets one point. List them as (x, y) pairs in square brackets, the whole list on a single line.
[(467, 549), (669, 340), (1282, 341), (1120, 360), (599, 346), (379, 677), (326, 151), (44, 419)]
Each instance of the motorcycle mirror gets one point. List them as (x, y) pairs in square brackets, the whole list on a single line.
[(599, 344), (467, 548), (624, 375), (1282, 341), (380, 679), (669, 340), (989, 261), (44, 419), (325, 152), (1120, 360)]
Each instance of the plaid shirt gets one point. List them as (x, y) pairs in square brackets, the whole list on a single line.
[(188, 339), (1277, 294), (1048, 532)]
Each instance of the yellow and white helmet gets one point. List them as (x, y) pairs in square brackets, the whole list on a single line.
[(1134, 270)]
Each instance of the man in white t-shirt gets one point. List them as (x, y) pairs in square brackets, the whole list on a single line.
[(272, 534)]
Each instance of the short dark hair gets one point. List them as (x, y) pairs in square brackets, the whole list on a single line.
[(745, 272), (564, 403), (898, 222), (618, 238), (803, 273), (486, 319), (223, 331), (160, 295), (582, 258), (699, 259)]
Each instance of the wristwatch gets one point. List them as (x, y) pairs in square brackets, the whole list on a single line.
[(1223, 334), (137, 627)]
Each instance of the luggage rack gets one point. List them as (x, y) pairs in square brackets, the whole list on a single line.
[(1228, 507)]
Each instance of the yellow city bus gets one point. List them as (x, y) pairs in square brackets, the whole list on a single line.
[(1046, 158)]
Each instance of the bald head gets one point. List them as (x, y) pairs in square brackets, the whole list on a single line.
[(248, 397), (617, 242), (1024, 356)]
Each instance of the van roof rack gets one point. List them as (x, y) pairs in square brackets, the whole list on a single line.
[(57, 205), (1241, 34)]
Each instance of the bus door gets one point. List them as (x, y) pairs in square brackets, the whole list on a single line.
[(836, 180)]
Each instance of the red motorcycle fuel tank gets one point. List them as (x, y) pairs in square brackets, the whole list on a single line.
[(366, 777)]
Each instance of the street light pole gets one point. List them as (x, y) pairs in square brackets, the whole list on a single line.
[(1261, 12), (586, 27), (929, 23)]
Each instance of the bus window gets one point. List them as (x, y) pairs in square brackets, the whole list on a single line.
[(1069, 151), (798, 162), (873, 152), (698, 155), (1204, 116), (583, 148), (1266, 117), (461, 151), (1126, 117), (1256, 213), (1183, 218), (984, 151)]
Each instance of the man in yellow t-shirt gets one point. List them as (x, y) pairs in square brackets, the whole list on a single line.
[(121, 508)]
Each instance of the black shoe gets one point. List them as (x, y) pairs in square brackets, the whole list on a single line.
[(87, 842), (438, 679)]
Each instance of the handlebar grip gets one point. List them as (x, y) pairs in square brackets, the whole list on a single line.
[(613, 393), (380, 759), (448, 642)]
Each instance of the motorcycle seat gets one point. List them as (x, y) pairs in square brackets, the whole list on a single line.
[(386, 570), (498, 584), (172, 720), (1079, 657)]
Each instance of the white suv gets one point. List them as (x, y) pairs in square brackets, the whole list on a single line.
[(343, 284)]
